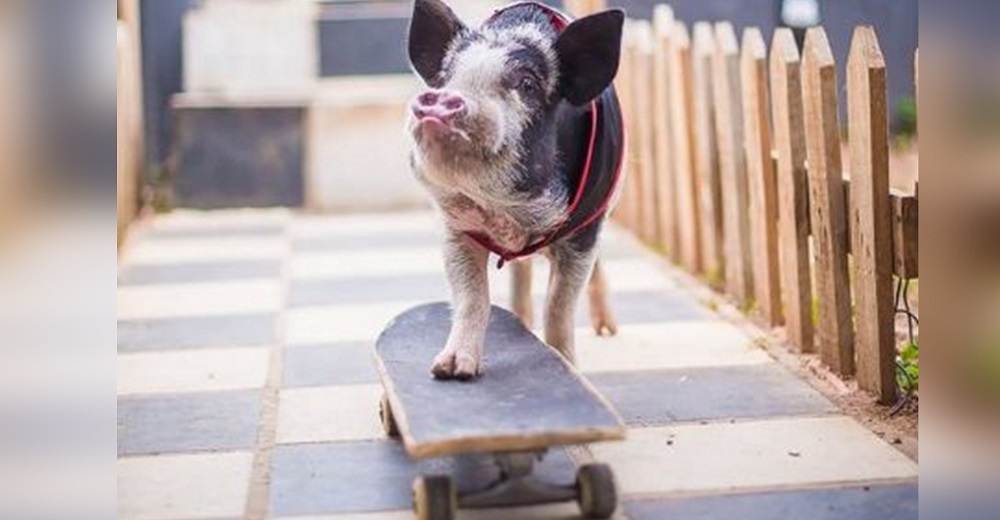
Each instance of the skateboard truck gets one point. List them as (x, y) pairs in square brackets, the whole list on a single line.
[(436, 498), (517, 485)]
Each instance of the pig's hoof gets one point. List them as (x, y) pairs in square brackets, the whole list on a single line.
[(604, 324), (455, 365), (466, 366)]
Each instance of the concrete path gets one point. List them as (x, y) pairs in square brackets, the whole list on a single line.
[(246, 388)]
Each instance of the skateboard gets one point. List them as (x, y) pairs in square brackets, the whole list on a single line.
[(529, 400)]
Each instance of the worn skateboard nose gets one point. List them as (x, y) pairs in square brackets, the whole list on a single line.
[(442, 105)]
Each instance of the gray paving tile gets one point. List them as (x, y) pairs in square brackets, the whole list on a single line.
[(661, 397), (326, 479), (217, 231), (217, 421), (367, 290), (327, 244), (854, 503), (187, 273), (201, 332), (646, 307), (327, 365)]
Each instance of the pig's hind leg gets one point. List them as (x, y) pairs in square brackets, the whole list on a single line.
[(466, 268), (601, 317), (520, 291)]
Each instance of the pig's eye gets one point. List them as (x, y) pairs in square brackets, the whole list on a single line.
[(528, 85)]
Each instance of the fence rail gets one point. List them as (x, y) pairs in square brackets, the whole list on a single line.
[(737, 175)]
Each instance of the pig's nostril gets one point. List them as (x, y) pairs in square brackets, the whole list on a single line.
[(428, 99), (454, 104)]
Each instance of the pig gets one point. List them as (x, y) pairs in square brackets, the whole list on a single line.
[(519, 141)]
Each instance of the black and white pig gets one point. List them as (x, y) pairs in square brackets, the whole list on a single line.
[(519, 140)]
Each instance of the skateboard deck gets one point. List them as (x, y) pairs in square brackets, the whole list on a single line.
[(528, 399)]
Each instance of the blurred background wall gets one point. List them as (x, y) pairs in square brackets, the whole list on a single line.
[(301, 102)]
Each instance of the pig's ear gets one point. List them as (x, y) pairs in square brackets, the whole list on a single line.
[(433, 27), (589, 51)]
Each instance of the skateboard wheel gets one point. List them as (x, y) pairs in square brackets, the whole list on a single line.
[(389, 425), (434, 498), (597, 494)]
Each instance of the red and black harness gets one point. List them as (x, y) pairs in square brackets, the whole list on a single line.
[(602, 168)]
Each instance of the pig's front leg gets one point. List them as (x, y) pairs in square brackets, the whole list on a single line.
[(466, 267), (570, 271)]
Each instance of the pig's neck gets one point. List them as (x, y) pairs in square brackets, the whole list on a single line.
[(512, 219)]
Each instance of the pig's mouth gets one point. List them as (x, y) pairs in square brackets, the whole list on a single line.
[(432, 129)]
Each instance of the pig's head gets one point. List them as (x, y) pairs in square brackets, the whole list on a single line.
[(493, 92)]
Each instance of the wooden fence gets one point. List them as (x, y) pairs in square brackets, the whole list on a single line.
[(736, 174), (130, 140)]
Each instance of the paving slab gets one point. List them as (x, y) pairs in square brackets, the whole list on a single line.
[(201, 272), (195, 332), (340, 478), (685, 395), (878, 502), (725, 457), (183, 487), (328, 365), (214, 421)]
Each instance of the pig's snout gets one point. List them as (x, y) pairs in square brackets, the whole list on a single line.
[(438, 104)]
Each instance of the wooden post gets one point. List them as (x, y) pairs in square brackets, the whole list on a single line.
[(871, 216), (628, 207), (682, 123), (126, 171), (906, 235), (834, 333), (580, 8), (643, 127), (732, 163), (793, 188), (663, 23), (706, 155), (760, 171)]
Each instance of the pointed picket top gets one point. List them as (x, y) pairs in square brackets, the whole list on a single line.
[(817, 53), (725, 37), (643, 34), (704, 40), (784, 49), (663, 18), (681, 35), (753, 44), (865, 50)]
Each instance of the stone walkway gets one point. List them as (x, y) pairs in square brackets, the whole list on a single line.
[(246, 387)]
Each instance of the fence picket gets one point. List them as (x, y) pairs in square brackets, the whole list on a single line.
[(642, 92), (834, 332), (663, 23), (732, 162), (627, 212), (793, 188), (682, 123), (760, 172), (871, 215), (706, 155)]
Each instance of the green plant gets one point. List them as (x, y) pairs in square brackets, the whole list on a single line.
[(908, 368), (906, 121)]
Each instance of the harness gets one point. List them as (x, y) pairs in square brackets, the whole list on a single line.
[(602, 168)]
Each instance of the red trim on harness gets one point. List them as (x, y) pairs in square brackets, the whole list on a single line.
[(560, 21)]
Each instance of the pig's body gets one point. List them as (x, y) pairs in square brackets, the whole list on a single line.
[(521, 149)]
